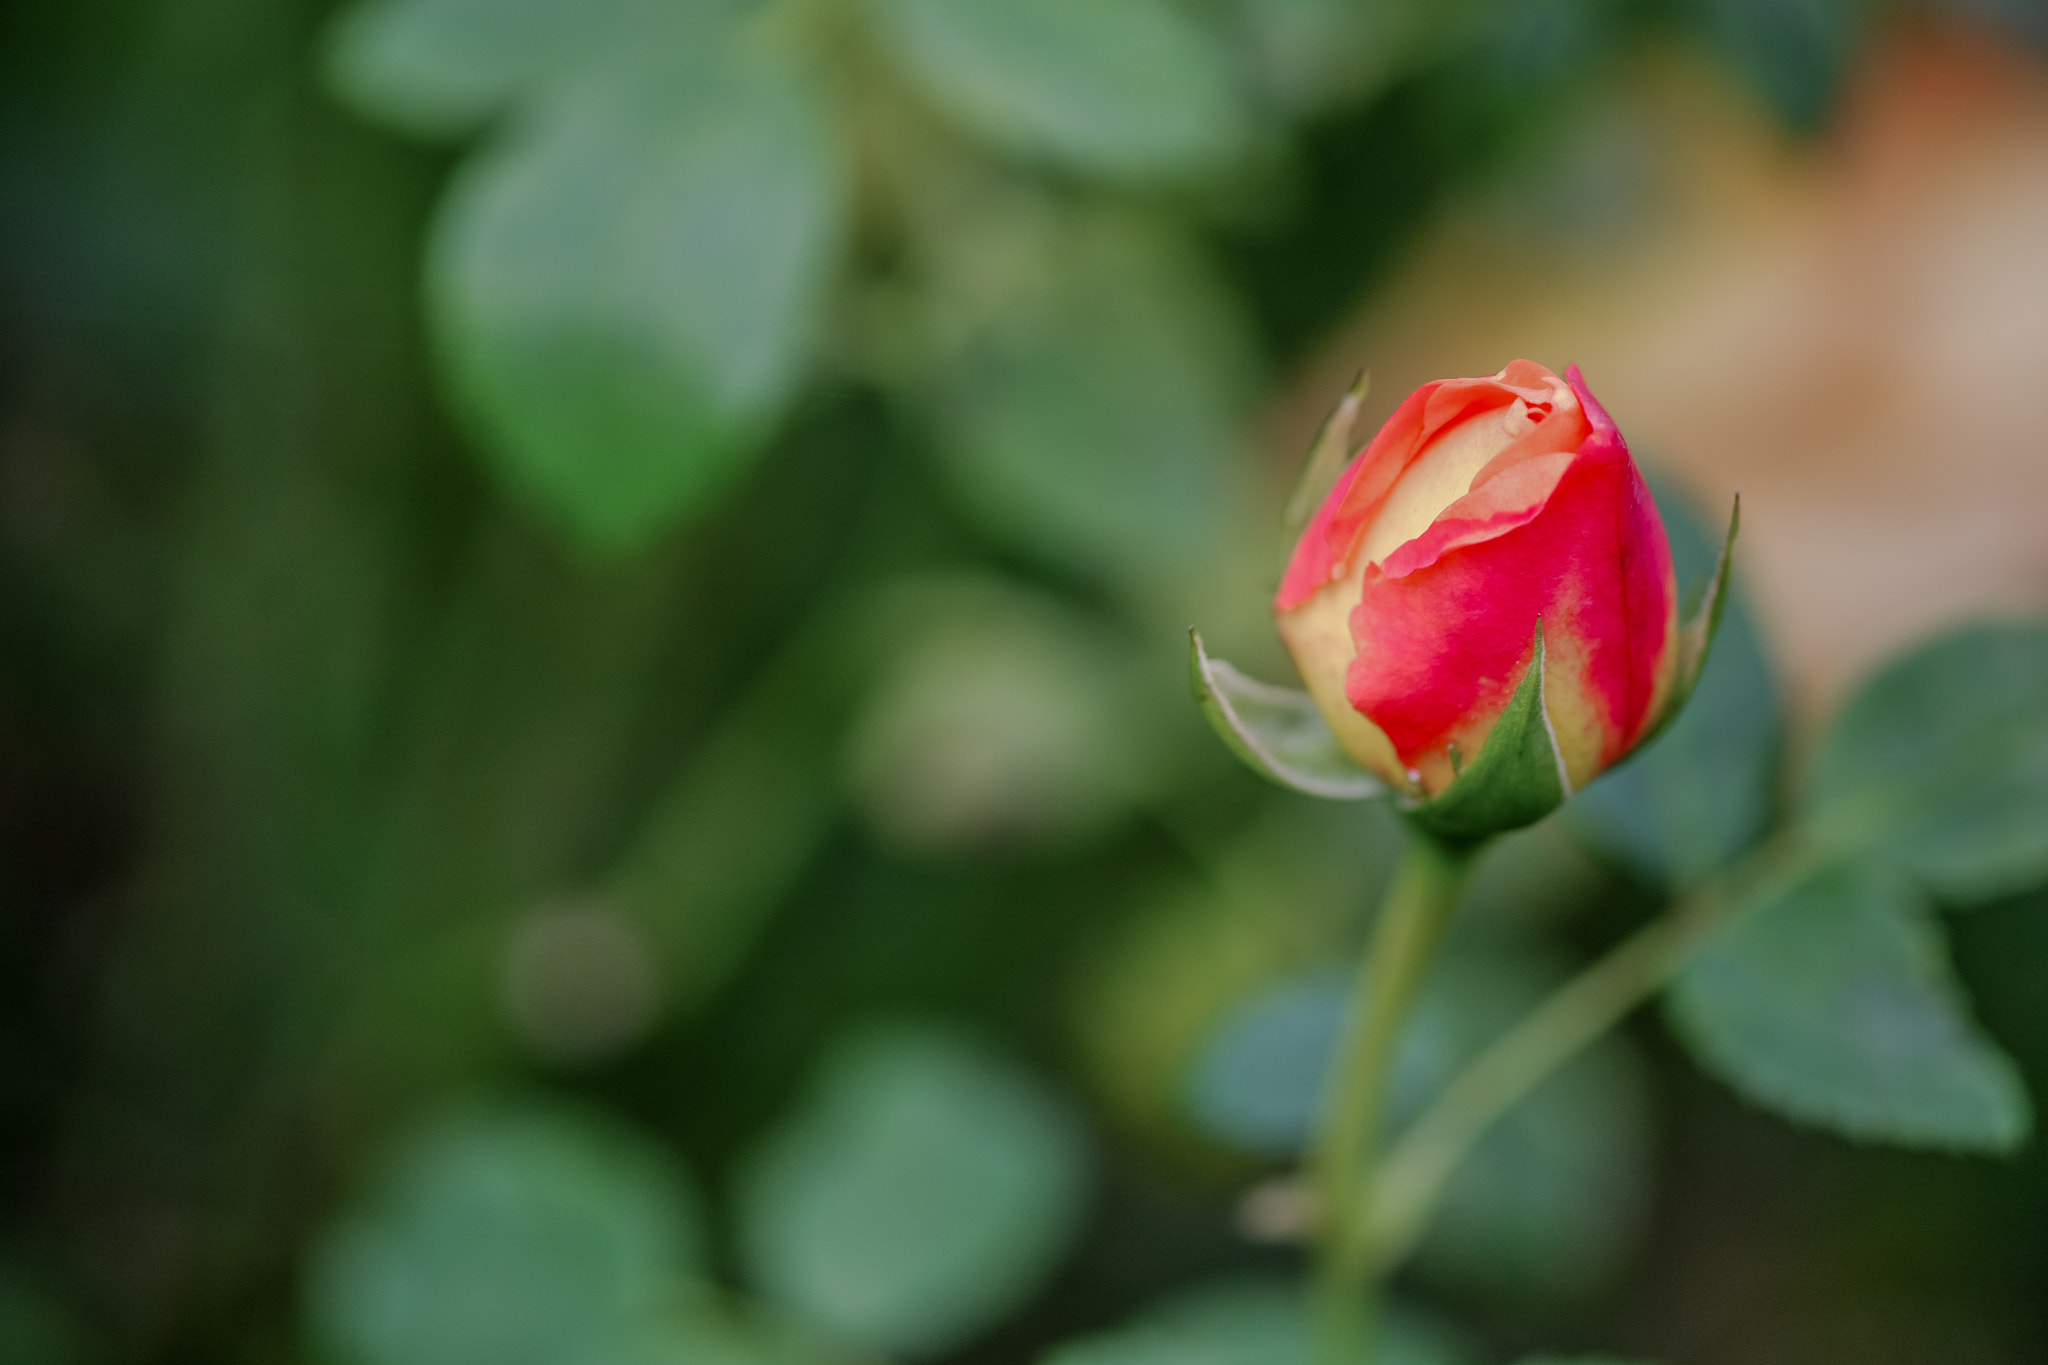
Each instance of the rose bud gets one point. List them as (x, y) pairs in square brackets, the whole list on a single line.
[(1490, 523), (1482, 605)]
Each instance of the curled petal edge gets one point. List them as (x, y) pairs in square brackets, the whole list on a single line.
[(1277, 731)]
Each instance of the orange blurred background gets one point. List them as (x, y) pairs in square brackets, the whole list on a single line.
[(1850, 332)]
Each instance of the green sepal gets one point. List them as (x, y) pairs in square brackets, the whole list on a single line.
[(1517, 779), (1696, 635), (1278, 731), (1327, 455)]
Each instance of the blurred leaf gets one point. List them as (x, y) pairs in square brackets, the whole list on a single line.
[(523, 724), (34, 1329), (697, 1333), (1545, 1202), (1794, 52), (723, 845), (1831, 1001), (625, 284), (1100, 427), (1278, 731), (439, 68), (1579, 1360), (1700, 794), (1535, 878), (922, 1192), (994, 726), (1129, 88), (579, 982), (1274, 898), (1940, 764), (1307, 55), (512, 1235), (1249, 1322), (1259, 1083)]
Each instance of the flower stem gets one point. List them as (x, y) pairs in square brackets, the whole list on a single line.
[(1412, 917), (1412, 1178)]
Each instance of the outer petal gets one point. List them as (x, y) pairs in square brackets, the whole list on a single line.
[(1443, 629), (1435, 414), (1318, 561), (1318, 635)]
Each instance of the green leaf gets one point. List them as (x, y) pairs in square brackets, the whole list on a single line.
[(1700, 794), (697, 1333), (922, 1192), (1831, 1001), (1258, 1083), (994, 727), (1940, 764), (1249, 1322), (512, 1235), (440, 68), (1307, 56), (1795, 53), (1098, 425), (1545, 1203), (1518, 777), (1126, 88), (1198, 940), (35, 1329), (719, 851), (625, 285), (1278, 731)]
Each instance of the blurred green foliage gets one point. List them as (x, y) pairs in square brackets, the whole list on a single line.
[(1247, 1322), (524, 637), (1948, 793), (1548, 1204), (625, 282), (923, 1192), (33, 1327), (516, 1237), (1129, 89)]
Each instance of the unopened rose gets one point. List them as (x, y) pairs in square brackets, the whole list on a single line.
[(1412, 599)]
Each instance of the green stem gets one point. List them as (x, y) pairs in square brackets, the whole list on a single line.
[(1413, 1176), (1411, 922)]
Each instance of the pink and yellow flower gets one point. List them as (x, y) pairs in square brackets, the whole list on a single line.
[(1412, 598)]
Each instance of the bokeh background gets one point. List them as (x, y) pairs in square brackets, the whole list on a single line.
[(595, 762)]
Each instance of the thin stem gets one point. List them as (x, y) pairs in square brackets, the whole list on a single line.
[(1411, 922), (1413, 1176)]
